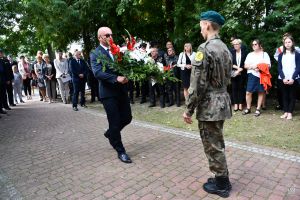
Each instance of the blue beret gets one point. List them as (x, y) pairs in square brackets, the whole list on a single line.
[(212, 16)]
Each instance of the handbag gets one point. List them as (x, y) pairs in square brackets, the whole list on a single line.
[(65, 78)]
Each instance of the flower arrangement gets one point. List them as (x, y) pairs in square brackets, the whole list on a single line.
[(134, 65)]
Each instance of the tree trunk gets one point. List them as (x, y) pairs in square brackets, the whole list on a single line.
[(50, 52), (87, 44), (170, 18)]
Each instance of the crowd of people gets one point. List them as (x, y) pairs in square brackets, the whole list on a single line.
[(68, 74)]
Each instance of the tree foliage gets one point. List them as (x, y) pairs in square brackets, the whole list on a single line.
[(29, 25)]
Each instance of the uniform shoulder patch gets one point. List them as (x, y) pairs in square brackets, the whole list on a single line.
[(199, 56)]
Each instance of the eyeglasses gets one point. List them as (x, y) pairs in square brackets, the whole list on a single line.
[(254, 44), (108, 35)]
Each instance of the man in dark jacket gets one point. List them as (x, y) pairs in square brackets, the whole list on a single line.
[(6, 80), (113, 93), (79, 73)]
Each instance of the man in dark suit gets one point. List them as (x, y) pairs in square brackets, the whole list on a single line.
[(113, 93), (79, 71), (8, 77)]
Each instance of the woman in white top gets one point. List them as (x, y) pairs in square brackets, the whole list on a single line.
[(184, 62), (288, 69), (254, 58), (24, 69), (63, 76)]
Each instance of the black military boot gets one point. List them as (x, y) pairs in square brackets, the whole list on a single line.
[(219, 185), (213, 180)]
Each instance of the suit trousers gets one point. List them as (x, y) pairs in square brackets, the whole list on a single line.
[(211, 133), (119, 115), (78, 87), (10, 94), (3, 96)]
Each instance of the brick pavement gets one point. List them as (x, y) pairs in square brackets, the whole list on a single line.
[(51, 152)]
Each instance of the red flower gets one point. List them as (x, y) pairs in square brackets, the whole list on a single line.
[(131, 43), (113, 47)]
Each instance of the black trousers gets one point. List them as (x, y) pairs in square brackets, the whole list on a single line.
[(10, 94), (144, 90), (161, 89), (94, 84), (79, 87), (289, 97), (119, 115), (238, 89), (3, 96), (27, 86)]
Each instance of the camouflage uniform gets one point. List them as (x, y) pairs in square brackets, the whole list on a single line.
[(210, 76)]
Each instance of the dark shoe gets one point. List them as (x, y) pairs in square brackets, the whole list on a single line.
[(7, 108), (124, 158), (151, 105), (13, 104), (92, 101), (278, 107), (106, 134), (235, 110), (75, 108), (131, 101), (246, 111), (41, 99), (264, 108), (3, 112), (213, 180), (221, 186), (143, 101), (84, 106), (170, 104)]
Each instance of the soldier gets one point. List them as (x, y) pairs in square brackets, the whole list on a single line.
[(207, 93)]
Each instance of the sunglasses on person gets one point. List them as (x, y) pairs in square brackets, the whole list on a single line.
[(108, 35)]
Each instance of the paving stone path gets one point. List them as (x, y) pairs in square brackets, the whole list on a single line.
[(48, 151)]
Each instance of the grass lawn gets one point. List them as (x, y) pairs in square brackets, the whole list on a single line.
[(267, 129)]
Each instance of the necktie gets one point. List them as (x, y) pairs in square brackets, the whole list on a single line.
[(110, 54)]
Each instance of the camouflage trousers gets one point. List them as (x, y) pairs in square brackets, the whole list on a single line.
[(214, 147)]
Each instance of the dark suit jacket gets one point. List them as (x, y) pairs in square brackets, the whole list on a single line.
[(8, 74), (77, 69), (108, 85)]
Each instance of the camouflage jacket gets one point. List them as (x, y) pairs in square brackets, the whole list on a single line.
[(211, 73)]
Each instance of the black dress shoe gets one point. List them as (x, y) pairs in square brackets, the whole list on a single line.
[(75, 108), (143, 101), (124, 158), (13, 104), (84, 106), (7, 108), (151, 105), (2, 111)]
